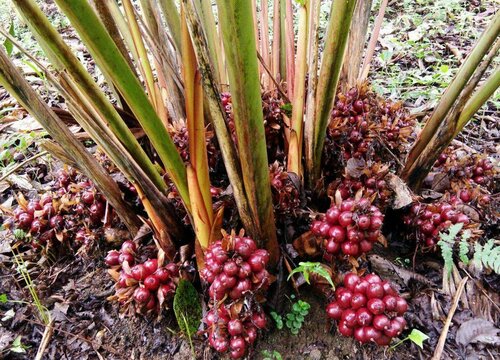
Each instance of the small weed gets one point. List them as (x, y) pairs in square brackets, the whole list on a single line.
[(416, 336), (295, 319), (308, 268), (274, 355)]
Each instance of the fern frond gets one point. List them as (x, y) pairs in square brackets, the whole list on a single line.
[(487, 256)]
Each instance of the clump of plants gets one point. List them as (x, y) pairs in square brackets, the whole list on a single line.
[(368, 309)]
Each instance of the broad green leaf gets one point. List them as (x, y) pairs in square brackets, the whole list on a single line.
[(187, 308), (418, 337)]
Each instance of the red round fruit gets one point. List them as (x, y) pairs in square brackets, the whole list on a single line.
[(360, 334), (166, 289), (245, 247), (350, 248), (237, 343), (364, 222), (358, 301), (332, 247), (33, 206), (37, 226), (347, 205), (364, 317), (129, 247), (256, 262), (376, 306), (219, 343), (345, 218), (245, 270), (88, 197), (344, 329), (353, 235), (126, 257), (376, 223), (250, 333), (97, 210), (139, 272), (375, 290), (381, 322), (150, 266), (316, 227), (56, 222), (151, 283), (334, 311), (401, 306), (373, 279), (350, 281), (324, 229), (24, 220), (372, 334), (394, 329), (449, 215), (344, 298), (388, 289), (112, 259), (361, 286), (465, 196), (337, 233), (162, 274), (141, 295), (349, 318), (332, 215), (234, 327), (259, 320), (237, 354), (231, 268), (390, 302), (228, 282), (172, 269)]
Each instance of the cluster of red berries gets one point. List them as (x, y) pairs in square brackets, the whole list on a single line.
[(371, 182), (286, 196), (234, 268), (351, 227), (179, 133), (147, 284), (477, 168), (431, 219), (361, 122), (239, 268), (368, 309), (234, 331), (65, 214)]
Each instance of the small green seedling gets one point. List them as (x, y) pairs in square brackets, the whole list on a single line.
[(295, 319), (17, 346), (308, 268), (274, 355), (278, 320), (416, 336)]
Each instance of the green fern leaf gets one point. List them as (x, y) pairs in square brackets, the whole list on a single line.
[(478, 253), (463, 251), (447, 254)]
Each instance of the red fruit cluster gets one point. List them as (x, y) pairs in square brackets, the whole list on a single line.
[(179, 133), (65, 214), (286, 196), (239, 268), (371, 182), (235, 270), (463, 168), (431, 219), (147, 285), (232, 332), (351, 227), (368, 309), (360, 121)]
